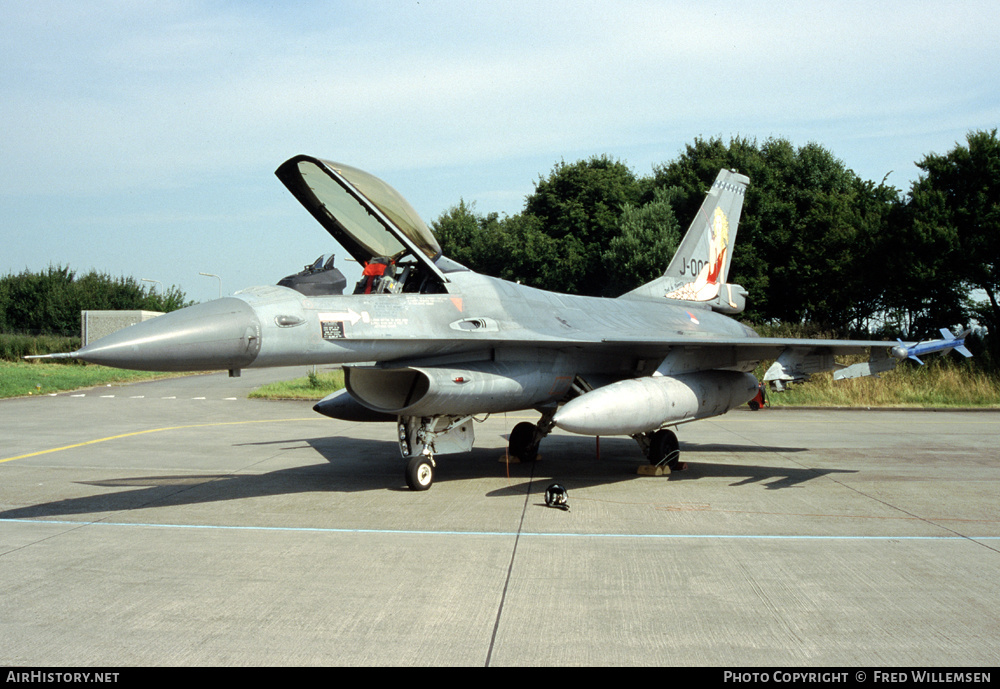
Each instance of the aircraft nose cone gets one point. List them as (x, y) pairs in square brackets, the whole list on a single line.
[(220, 334)]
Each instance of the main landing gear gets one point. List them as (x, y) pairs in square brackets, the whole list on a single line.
[(662, 448), (523, 442), (525, 437), (421, 438)]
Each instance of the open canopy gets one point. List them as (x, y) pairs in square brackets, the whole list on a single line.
[(364, 214)]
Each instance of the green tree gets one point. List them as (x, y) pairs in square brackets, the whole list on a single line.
[(648, 236), (579, 206), (914, 265), (470, 238), (816, 243), (512, 248), (535, 258), (38, 302), (49, 302), (956, 204), (807, 229)]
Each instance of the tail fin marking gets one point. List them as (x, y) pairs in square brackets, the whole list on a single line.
[(699, 269)]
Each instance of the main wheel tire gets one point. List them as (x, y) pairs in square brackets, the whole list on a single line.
[(663, 445), (521, 443), (419, 473)]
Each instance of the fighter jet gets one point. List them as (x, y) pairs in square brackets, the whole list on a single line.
[(430, 345)]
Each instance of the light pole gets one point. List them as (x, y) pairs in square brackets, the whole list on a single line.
[(156, 281), (211, 275)]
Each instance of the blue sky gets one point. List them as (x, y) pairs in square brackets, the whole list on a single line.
[(141, 138)]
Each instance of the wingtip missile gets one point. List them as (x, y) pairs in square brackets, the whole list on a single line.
[(947, 343), (959, 341)]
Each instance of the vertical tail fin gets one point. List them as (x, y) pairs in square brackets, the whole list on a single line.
[(699, 269), (706, 249)]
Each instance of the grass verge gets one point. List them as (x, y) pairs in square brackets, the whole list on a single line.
[(937, 385), (13, 347), (315, 386), (22, 378)]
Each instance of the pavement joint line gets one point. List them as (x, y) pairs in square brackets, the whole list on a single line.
[(503, 534), (510, 569)]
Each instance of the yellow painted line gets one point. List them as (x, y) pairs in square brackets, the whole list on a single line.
[(151, 430)]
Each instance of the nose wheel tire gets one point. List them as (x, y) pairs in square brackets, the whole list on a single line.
[(419, 473)]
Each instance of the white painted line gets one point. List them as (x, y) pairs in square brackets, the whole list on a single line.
[(508, 534)]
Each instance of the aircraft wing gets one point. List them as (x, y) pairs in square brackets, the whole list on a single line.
[(765, 345), (796, 359)]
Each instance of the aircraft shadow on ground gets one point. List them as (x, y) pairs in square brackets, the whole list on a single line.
[(573, 462), (354, 465)]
